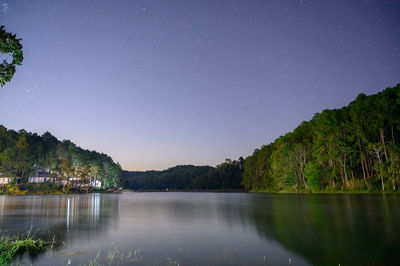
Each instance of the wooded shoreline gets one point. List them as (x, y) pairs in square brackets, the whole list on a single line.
[(354, 149)]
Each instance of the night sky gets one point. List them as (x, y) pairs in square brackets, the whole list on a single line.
[(160, 83)]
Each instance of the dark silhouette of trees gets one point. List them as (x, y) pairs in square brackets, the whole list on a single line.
[(226, 176), (9, 44)]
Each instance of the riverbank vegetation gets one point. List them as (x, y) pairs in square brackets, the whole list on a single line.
[(48, 188), (11, 246), (23, 153), (45, 188), (351, 149)]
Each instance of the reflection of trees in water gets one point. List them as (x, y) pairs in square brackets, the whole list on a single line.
[(57, 216), (67, 218), (323, 229), (331, 229), (190, 208)]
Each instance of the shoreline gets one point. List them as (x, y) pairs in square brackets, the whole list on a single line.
[(115, 191), (328, 192), (38, 189)]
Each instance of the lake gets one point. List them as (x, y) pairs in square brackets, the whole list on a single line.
[(170, 228)]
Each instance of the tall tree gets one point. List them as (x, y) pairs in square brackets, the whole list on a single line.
[(10, 45)]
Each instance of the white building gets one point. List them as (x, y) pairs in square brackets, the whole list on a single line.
[(6, 179), (95, 183), (42, 176)]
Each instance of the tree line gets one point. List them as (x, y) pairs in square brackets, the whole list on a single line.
[(225, 176), (354, 148), (23, 153)]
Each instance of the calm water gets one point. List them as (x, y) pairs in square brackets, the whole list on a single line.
[(210, 228)]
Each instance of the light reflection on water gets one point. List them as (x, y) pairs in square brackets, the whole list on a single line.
[(19, 214), (210, 228)]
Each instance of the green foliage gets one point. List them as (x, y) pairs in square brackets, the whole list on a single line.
[(11, 246), (352, 148), (42, 188), (9, 44), (13, 189), (256, 173), (226, 176), (313, 176), (21, 153)]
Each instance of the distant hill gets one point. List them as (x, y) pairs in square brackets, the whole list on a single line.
[(226, 176)]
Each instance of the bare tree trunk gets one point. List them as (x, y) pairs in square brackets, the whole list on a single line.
[(367, 168), (393, 175), (304, 179), (352, 168), (341, 176), (343, 169), (393, 184), (345, 173), (370, 167), (362, 166), (394, 142), (362, 160), (302, 168), (300, 159), (380, 167), (302, 174), (384, 149), (383, 143)]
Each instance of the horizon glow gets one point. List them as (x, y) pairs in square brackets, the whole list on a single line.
[(158, 84)]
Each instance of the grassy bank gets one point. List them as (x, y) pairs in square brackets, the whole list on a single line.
[(41, 189), (30, 189), (11, 246), (328, 191)]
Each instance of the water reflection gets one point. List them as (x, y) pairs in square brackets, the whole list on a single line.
[(197, 228), (214, 228), (57, 214), (332, 229)]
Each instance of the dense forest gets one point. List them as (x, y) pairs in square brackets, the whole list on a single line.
[(226, 176), (22, 153), (354, 148)]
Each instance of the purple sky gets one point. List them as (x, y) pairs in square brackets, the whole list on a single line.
[(159, 83)]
